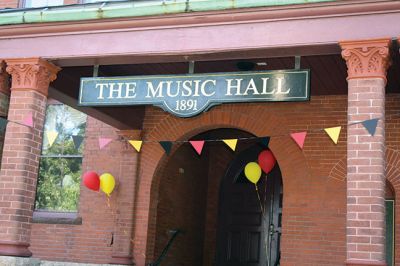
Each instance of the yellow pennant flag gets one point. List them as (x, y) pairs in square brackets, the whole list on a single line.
[(231, 143), (333, 133), (51, 137), (137, 144)]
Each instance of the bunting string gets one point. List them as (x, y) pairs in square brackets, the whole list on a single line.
[(299, 137)]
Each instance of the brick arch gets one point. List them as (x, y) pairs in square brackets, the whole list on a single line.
[(153, 159)]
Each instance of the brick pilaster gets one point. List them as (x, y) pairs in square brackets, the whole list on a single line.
[(21, 153), (123, 239), (367, 62)]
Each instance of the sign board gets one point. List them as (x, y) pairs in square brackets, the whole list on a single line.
[(189, 95)]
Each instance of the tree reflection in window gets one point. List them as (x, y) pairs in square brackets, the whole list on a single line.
[(60, 165)]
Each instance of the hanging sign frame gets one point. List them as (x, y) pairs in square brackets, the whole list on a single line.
[(189, 95)]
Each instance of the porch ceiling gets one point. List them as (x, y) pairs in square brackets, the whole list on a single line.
[(328, 77)]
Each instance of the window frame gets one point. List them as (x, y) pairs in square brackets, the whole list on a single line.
[(49, 216)]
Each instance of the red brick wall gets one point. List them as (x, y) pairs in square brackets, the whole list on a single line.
[(181, 204), (90, 242), (9, 3), (313, 222), (314, 201)]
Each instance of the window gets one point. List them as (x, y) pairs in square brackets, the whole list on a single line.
[(42, 3), (61, 163)]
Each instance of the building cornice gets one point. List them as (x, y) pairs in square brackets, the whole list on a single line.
[(207, 18)]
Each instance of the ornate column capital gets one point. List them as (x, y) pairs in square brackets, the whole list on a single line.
[(4, 79), (366, 58), (31, 74)]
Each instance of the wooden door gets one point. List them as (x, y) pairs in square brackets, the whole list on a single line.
[(247, 234)]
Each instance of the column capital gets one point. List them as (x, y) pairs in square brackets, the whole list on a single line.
[(31, 74), (4, 79), (366, 58)]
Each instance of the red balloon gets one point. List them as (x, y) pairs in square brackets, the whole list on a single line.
[(91, 180), (266, 160)]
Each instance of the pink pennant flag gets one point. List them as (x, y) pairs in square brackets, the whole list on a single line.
[(299, 138), (28, 120), (103, 142), (197, 145)]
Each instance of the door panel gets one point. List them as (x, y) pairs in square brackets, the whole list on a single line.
[(243, 227)]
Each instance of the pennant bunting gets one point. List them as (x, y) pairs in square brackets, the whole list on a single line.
[(51, 137), (333, 133), (231, 143), (3, 124), (197, 145), (299, 138), (103, 142), (370, 125), (137, 144), (28, 120), (167, 146), (265, 141), (77, 141)]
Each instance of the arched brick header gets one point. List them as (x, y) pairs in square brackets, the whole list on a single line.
[(153, 159)]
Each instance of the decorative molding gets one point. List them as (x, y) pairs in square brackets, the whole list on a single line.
[(31, 74), (366, 58), (4, 79)]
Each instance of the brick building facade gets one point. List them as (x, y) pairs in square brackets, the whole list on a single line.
[(333, 195)]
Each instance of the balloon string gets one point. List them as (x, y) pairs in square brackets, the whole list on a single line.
[(259, 200)]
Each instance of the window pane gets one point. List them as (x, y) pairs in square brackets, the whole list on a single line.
[(58, 184), (42, 3), (67, 122)]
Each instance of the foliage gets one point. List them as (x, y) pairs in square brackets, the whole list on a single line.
[(60, 169)]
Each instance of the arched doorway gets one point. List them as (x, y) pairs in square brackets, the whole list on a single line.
[(189, 199), (249, 223), (295, 172)]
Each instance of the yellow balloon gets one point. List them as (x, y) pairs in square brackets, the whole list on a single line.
[(107, 183), (253, 172)]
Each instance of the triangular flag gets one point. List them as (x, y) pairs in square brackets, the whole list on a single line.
[(333, 133), (77, 141), (197, 145), (28, 120), (103, 142), (264, 141), (370, 125), (167, 145), (51, 137), (3, 124), (231, 143), (299, 138), (137, 144)]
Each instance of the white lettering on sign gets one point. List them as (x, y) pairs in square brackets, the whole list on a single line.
[(187, 88), (115, 90)]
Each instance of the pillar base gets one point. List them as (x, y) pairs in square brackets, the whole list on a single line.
[(17, 249), (365, 263), (122, 260)]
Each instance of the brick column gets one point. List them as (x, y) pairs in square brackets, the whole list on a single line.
[(367, 62), (21, 153), (123, 227)]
